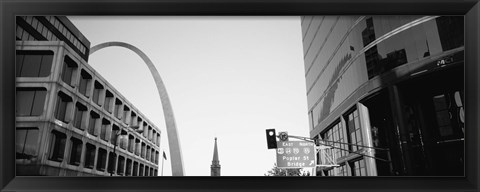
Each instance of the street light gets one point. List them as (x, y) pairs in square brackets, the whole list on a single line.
[(119, 133)]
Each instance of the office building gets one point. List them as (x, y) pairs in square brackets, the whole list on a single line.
[(386, 93), (70, 121)]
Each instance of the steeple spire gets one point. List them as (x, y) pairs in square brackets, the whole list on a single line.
[(215, 167)]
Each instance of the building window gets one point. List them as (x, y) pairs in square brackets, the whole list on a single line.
[(133, 119), (121, 165), (63, 101), (131, 143), (111, 162), (128, 171), (113, 134), (151, 171), (80, 110), (92, 123), (154, 137), (123, 141), (336, 135), (104, 129), (34, 63), (117, 111), (157, 154), (145, 130), (148, 153), (97, 91), (101, 159), (443, 115), (108, 101), (75, 151), (57, 146), (147, 170), (30, 101), (68, 71), (140, 172), (90, 156), (152, 158), (84, 85), (135, 169), (358, 167), (158, 139), (126, 112), (150, 131), (451, 30), (138, 147), (143, 150), (26, 143), (354, 130)]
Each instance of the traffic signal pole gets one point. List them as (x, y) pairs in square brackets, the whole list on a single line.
[(320, 146)]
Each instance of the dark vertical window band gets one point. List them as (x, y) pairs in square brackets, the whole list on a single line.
[(107, 105), (354, 130), (121, 165), (26, 143), (111, 162), (80, 111), (61, 107), (84, 84), (104, 129), (57, 146), (68, 70), (118, 109), (92, 123), (101, 159), (90, 156), (135, 169), (451, 31), (30, 101), (128, 171), (113, 134), (75, 151), (34, 63), (97, 91)]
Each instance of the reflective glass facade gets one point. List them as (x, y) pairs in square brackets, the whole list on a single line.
[(360, 72)]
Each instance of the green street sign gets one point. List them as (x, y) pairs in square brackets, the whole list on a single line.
[(295, 154)]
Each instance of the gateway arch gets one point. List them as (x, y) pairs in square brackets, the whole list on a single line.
[(173, 142)]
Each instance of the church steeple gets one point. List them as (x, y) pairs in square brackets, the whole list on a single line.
[(215, 167)]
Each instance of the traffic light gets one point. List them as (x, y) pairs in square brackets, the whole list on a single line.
[(271, 139)]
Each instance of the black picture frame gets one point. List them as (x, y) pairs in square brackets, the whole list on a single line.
[(9, 9)]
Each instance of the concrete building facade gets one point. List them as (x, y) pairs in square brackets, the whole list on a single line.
[(70, 120), (386, 93)]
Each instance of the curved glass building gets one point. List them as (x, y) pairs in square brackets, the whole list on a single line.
[(386, 93)]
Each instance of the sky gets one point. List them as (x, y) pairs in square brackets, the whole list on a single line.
[(228, 77)]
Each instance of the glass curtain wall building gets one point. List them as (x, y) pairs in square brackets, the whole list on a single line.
[(69, 120), (394, 83)]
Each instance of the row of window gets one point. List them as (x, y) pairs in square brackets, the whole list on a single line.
[(22, 34), (116, 165), (41, 28), (101, 96), (344, 140), (356, 167), (39, 64), (83, 118), (30, 102)]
